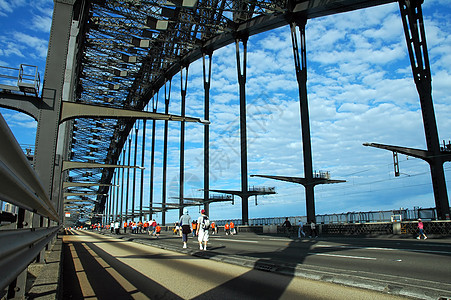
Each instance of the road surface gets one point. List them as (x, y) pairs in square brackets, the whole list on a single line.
[(107, 267)]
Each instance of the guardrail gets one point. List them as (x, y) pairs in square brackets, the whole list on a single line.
[(23, 241), (19, 184), (19, 248)]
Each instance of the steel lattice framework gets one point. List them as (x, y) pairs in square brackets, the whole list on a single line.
[(129, 49)]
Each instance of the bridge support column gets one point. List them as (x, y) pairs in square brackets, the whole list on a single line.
[(207, 79), (124, 216), (183, 87), (52, 94), (141, 191), (412, 18), (152, 158), (167, 97), (135, 154), (300, 61), (128, 175), (243, 135)]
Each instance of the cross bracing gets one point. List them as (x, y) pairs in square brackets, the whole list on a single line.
[(131, 48)]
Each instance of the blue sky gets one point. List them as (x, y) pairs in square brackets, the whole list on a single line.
[(360, 89)]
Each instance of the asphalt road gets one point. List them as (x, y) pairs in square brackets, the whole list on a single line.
[(272, 267)]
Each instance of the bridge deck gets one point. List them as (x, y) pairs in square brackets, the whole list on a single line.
[(105, 265)]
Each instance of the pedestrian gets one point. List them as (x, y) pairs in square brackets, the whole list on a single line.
[(227, 228), (154, 226), (287, 226), (232, 228), (157, 230), (313, 229), (116, 227), (213, 228), (194, 226), (139, 227), (146, 226), (185, 222), (301, 229), (177, 229), (203, 225), (125, 227), (421, 229)]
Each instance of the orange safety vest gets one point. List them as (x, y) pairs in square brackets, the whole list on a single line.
[(232, 225), (158, 228), (194, 226), (213, 225), (226, 226), (125, 224)]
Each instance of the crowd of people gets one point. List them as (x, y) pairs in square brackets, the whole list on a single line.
[(301, 233), (202, 227)]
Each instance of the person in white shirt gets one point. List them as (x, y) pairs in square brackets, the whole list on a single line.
[(203, 225)]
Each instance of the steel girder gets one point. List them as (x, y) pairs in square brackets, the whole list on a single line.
[(128, 49)]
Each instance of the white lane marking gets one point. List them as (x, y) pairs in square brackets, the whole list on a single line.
[(343, 256), (238, 241), (383, 249), (281, 240)]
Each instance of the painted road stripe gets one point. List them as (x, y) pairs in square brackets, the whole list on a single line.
[(384, 249), (343, 256), (238, 241)]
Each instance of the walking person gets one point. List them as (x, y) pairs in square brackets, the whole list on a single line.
[(203, 225), (213, 228), (227, 229), (232, 228), (313, 229), (421, 229), (154, 226), (301, 229), (194, 225), (125, 227), (116, 227), (287, 225), (157, 230), (185, 222)]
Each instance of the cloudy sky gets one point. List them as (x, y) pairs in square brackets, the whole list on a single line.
[(360, 89)]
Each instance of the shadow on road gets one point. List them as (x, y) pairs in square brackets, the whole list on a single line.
[(103, 284)]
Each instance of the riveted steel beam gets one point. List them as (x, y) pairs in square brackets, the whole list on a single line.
[(71, 110), (83, 184), (81, 194), (87, 165)]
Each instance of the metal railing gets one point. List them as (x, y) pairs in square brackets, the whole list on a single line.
[(25, 79), (344, 218), (36, 218)]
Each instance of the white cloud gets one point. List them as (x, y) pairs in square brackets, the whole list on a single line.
[(41, 23), (7, 7)]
